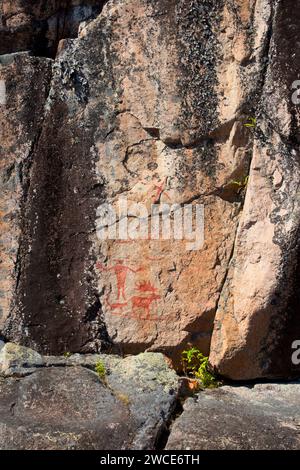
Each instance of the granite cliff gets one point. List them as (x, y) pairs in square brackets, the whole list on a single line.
[(165, 101)]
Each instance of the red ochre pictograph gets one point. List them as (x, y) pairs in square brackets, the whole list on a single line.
[(140, 304), (121, 272), (145, 286), (159, 189), (144, 302), (116, 306)]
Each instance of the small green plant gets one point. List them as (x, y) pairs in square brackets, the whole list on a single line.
[(67, 354), (100, 369), (208, 380), (190, 360), (195, 365), (252, 122), (240, 184)]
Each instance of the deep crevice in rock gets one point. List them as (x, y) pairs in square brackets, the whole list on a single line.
[(164, 432), (39, 29)]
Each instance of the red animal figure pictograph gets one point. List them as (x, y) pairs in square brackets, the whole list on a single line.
[(144, 302), (116, 307), (155, 258), (145, 286), (121, 272)]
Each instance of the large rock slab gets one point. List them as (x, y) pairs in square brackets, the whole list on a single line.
[(148, 101), (135, 111), (61, 403), (25, 86), (62, 409), (257, 319), (264, 416), (18, 360)]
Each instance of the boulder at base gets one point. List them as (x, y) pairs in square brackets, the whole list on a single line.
[(61, 403), (262, 417)]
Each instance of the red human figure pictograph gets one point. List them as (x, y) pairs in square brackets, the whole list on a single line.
[(121, 272)]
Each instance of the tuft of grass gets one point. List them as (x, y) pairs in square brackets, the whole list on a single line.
[(100, 370), (240, 184), (195, 365), (123, 398), (252, 122)]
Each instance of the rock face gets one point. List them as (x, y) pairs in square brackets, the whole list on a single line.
[(61, 403), (38, 25), (262, 417), (257, 319), (26, 82), (146, 102)]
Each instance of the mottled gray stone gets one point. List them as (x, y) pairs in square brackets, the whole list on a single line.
[(61, 403), (62, 408), (265, 416), (18, 360), (7, 59), (150, 388)]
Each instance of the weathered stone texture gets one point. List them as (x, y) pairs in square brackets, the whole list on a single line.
[(150, 103), (258, 315), (51, 403), (39, 25), (260, 417), (26, 84)]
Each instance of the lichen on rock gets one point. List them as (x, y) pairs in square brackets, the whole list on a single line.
[(151, 101)]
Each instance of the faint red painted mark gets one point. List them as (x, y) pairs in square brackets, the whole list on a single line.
[(121, 272), (159, 190), (116, 306), (144, 303), (145, 286)]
